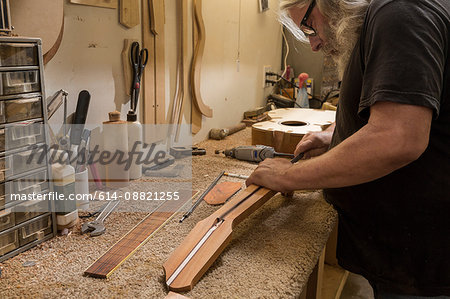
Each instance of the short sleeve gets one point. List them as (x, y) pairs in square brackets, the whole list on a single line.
[(404, 46)]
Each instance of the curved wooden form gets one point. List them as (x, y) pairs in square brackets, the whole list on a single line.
[(197, 61), (39, 18), (232, 213), (52, 51), (288, 126)]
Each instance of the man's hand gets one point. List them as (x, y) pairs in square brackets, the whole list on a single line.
[(315, 144), (270, 174)]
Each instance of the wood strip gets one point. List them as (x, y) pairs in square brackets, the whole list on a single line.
[(197, 61), (148, 80), (129, 13), (138, 236), (160, 66), (184, 62), (97, 3)]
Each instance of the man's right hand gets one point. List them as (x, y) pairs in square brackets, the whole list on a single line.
[(315, 144)]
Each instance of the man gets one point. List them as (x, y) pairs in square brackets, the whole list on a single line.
[(385, 165)]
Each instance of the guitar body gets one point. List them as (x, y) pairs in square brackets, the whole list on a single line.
[(287, 127), (39, 18)]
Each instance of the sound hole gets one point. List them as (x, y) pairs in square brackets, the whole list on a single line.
[(294, 123)]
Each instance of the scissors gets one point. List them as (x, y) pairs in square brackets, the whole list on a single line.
[(139, 60)]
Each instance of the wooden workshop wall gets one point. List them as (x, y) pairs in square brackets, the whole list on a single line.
[(89, 58)]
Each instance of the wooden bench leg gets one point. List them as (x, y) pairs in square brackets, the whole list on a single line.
[(313, 289)]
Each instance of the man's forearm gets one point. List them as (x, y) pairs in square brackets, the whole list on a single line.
[(367, 155)]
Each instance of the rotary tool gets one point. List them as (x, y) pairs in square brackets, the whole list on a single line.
[(253, 153)]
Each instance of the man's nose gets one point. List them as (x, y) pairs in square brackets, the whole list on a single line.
[(315, 42)]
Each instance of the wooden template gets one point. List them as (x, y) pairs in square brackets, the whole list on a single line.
[(160, 66), (148, 79), (39, 18), (138, 236), (175, 107), (198, 106), (181, 85), (288, 126), (197, 60), (215, 241), (97, 3), (129, 13), (184, 62), (222, 192), (196, 115), (153, 35)]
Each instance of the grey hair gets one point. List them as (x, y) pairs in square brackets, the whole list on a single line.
[(345, 19)]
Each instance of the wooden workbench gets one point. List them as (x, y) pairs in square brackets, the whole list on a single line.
[(272, 253)]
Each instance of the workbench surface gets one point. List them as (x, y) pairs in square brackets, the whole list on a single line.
[(272, 253)]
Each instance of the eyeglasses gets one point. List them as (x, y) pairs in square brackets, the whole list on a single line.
[(308, 30)]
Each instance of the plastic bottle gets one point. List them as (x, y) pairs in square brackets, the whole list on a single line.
[(63, 177), (302, 95), (134, 144), (115, 141)]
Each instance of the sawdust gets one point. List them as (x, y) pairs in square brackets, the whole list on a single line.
[(271, 255)]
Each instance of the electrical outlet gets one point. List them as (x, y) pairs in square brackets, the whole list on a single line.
[(266, 69)]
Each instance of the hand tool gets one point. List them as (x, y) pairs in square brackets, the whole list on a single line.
[(159, 164), (219, 134), (171, 172), (63, 138), (93, 214), (55, 101), (79, 118), (199, 200), (83, 151), (233, 175), (97, 227), (139, 59), (253, 153), (182, 151), (210, 237)]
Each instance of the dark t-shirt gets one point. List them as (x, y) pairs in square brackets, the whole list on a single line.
[(396, 230)]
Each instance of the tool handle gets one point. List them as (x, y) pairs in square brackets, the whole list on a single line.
[(80, 117), (297, 158)]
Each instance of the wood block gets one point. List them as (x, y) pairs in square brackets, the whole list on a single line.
[(129, 13), (222, 192), (97, 3)]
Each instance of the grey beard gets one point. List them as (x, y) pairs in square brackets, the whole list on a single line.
[(340, 53)]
